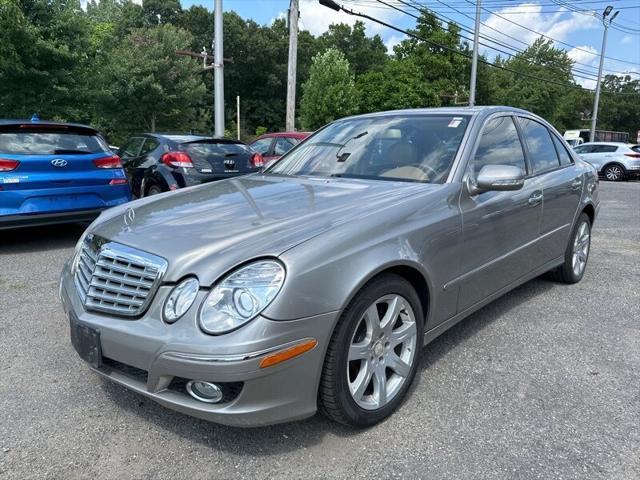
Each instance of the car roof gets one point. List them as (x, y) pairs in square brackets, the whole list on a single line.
[(188, 137), (617, 144), (285, 134), (44, 123)]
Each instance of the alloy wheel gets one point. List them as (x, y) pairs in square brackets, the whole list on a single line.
[(613, 173), (382, 352), (581, 246)]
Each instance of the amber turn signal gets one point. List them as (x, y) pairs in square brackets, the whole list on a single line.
[(288, 353)]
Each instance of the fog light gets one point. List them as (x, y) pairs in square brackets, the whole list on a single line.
[(204, 391)]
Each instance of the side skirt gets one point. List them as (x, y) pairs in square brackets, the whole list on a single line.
[(446, 325)]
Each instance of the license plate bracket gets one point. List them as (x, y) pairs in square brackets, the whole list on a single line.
[(86, 341)]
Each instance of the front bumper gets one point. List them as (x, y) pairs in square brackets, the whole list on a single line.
[(147, 355)]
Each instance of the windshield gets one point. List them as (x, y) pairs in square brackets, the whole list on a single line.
[(418, 148), (50, 143)]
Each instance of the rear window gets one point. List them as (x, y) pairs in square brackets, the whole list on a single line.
[(635, 148), (203, 149), (50, 143)]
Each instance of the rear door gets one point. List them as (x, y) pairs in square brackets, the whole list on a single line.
[(561, 182), (222, 157)]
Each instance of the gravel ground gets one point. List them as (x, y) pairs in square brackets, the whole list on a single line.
[(543, 383)]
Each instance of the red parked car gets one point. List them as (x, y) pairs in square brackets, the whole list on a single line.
[(273, 145)]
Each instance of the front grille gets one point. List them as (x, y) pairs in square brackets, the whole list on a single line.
[(116, 279)]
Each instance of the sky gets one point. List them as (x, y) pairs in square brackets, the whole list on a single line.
[(510, 22)]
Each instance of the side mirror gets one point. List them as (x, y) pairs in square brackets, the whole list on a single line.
[(497, 178)]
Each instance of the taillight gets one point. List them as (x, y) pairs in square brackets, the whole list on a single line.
[(633, 155), (256, 160), (7, 165), (177, 159), (108, 162), (117, 181)]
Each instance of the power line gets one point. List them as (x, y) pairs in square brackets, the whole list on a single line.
[(336, 6)]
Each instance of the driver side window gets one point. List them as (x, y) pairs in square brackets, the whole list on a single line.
[(499, 145)]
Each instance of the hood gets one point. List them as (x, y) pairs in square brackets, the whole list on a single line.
[(209, 229)]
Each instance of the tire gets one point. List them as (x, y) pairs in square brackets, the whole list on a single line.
[(566, 273), (614, 172), (397, 360), (153, 190)]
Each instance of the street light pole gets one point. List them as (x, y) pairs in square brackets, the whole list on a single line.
[(474, 60), (218, 65), (594, 115)]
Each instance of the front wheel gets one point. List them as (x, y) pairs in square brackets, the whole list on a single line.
[(577, 253), (153, 190), (374, 353)]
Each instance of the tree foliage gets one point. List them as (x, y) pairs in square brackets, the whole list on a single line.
[(330, 92)]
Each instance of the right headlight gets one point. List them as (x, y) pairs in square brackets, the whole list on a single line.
[(241, 296)]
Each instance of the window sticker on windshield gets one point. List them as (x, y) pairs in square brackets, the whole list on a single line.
[(455, 122)]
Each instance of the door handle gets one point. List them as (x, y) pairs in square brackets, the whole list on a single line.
[(535, 198)]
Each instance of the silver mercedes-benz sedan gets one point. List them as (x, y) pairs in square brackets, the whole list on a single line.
[(315, 284)]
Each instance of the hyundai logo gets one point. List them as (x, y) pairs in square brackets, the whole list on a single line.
[(229, 164), (129, 217), (59, 162)]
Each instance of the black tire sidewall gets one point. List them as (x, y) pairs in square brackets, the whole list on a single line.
[(385, 285)]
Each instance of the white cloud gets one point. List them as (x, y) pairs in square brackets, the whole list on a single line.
[(626, 40), (316, 18), (392, 41), (583, 54), (559, 25)]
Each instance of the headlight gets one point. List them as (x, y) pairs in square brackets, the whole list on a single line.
[(240, 296), (180, 299), (76, 252)]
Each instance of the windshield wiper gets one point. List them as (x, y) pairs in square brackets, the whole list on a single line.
[(62, 151)]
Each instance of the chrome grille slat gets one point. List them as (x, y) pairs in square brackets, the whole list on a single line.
[(115, 278)]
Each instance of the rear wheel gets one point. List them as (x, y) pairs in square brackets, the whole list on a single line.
[(614, 172), (373, 354), (577, 253)]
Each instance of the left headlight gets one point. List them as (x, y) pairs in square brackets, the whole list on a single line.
[(180, 299), (241, 296)]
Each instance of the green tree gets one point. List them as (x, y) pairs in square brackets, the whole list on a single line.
[(330, 92), (363, 53), (145, 86), (398, 85)]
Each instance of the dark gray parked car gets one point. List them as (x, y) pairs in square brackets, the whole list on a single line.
[(315, 284)]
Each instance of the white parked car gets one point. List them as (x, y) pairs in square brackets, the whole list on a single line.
[(614, 160)]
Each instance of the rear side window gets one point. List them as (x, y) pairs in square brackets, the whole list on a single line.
[(262, 146), (499, 145), (24, 142), (563, 155), (582, 149), (283, 145), (635, 148), (542, 153), (150, 145), (604, 148), (131, 148)]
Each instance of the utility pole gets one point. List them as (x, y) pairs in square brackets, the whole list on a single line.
[(291, 71), (238, 114), (218, 65), (606, 23), (474, 60)]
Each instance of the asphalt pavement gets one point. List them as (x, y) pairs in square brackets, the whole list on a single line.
[(544, 383)]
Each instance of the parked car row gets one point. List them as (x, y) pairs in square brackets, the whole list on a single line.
[(615, 161), (62, 172)]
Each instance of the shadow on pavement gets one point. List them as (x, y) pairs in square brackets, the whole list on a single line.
[(39, 239)]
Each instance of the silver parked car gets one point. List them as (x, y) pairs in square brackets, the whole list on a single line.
[(613, 160), (315, 284)]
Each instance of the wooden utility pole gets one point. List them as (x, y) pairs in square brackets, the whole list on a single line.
[(291, 71), (238, 114)]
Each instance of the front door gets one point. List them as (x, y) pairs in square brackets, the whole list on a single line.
[(499, 228)]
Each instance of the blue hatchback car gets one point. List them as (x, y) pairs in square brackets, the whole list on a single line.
[(56, 173)]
